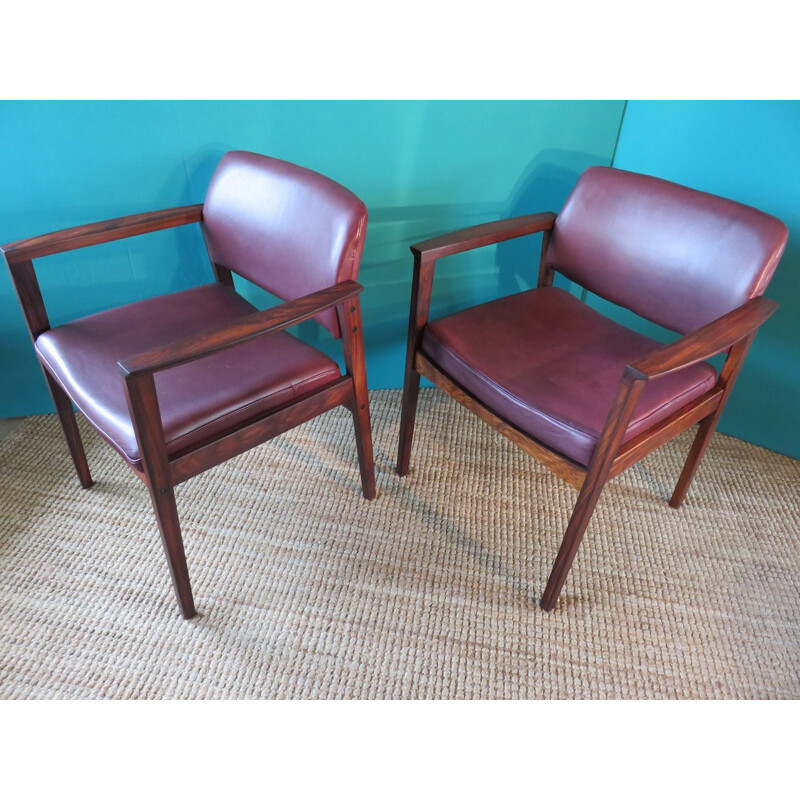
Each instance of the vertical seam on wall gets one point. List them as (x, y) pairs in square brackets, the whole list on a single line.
[(584, 290), (355, 246), (619, 131)]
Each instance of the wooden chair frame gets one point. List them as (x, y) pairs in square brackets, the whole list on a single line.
[(159, 471), (732, 332)]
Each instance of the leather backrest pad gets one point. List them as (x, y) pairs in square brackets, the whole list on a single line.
[(283, 227), (676, 256)]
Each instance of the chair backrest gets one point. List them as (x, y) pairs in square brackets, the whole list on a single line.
[(285, 228), (676, 256)]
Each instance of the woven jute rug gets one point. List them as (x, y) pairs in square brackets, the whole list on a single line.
[(305, 590)]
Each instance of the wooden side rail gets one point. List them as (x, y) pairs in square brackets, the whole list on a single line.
[(241, 330), (99, 232), (482, 235), (719, 335)]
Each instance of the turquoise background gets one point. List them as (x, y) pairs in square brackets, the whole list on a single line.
[(421, 167)]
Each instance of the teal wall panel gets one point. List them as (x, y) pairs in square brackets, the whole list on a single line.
[(421, 167), (750, 152)]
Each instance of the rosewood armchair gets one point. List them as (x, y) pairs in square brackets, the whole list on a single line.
[(581, 394), (179, 383)]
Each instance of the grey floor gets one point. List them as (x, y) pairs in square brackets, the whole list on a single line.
[(8, 425)]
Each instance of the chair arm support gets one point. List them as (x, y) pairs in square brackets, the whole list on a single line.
[(719, 335), (99, 232), (241, 330), (426, 253), (483, 235)]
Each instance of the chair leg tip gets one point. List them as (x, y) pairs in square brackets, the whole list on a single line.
[(546, 606)]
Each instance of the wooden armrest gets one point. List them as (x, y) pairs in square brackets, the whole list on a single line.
[(99, 232), (482, 235), (705, 342), (241, 330)]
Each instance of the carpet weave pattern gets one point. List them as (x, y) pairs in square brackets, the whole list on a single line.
[(305, 590)]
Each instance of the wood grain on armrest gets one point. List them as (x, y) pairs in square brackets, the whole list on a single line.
[(705, 342), (241, 330), (483, 235), (99, 232)]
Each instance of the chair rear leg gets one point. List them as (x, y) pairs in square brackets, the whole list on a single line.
[(69, 425), (727, 377), (581, 514), (701, 440), (408, 416)]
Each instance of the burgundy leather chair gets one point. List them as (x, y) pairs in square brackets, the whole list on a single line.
[(585, 396), (179, 383)]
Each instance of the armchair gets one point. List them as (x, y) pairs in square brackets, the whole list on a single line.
[(179, 383), (581, 394)]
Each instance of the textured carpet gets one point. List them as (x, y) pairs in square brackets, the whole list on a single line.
[(305, 590)]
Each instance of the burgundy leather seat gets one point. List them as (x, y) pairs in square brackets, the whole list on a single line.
[(198, 399), (551, 365)]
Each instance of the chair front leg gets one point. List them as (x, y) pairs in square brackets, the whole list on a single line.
[(421, 289), (581, 514), (596, 477), (408, 417), (26, 285), (146, 416), (353, 344)]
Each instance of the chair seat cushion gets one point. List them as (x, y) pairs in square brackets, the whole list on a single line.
[(198, 399), (551, 366)]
